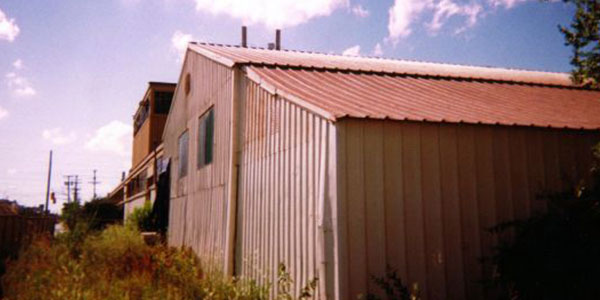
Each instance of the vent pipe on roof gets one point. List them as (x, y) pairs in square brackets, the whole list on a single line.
[(244, 37), (278, 39)]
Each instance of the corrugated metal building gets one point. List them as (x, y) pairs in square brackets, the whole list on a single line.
[(338, 166)]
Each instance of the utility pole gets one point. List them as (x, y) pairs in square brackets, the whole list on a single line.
[(48, 183), (76, 189), (68, 184), (71, 180), (94, 182)]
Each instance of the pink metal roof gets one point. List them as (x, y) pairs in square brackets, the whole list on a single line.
[(347, 94), (351, 87), (288, 58)]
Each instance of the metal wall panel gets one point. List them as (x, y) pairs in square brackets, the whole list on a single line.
[(199, 200), (340, 202), (281, 188), (419, 197)]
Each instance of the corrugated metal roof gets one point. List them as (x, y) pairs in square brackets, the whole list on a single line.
[(347, 94), (288, 58), (343, 87)]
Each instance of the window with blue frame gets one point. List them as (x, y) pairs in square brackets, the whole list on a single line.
[(206, 128), (183, 154)]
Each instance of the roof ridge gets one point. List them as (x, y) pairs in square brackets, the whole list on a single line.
[(393, 59), (230, 55)]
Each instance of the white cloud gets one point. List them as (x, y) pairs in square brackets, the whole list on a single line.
[(359, 11), (18, 64), (377, 51), (405, 13), (401, 16), (505, 3), (8, 28), (57, 137), (472, 13), (114, 137), (352, 51), (272, 13), (3, 113), (179, 42), (445, 9), (20, 86)]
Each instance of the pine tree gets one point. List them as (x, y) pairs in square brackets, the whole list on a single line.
[(584, 37)]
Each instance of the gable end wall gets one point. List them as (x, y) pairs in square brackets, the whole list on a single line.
[(198, 207)]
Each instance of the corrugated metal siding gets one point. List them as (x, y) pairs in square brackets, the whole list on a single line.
[(281, 188), (199, 200), (419, 196), (378, 96)]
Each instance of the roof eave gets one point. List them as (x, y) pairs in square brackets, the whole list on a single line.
[(549, 126)]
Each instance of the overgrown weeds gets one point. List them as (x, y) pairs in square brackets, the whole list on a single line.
[(554, 254), (117, 264), (392, 287)]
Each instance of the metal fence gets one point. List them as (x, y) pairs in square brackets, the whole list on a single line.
[(14, 229)]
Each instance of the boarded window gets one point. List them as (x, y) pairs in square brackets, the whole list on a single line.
[(162, 102), (183, 154), (206, 128)]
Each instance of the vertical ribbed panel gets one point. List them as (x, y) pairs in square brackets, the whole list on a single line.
[(420, 196), (281, 187), (416, 196), (198, 201)]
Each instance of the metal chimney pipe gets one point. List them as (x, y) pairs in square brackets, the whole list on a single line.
[(278, 39), (244, 37)]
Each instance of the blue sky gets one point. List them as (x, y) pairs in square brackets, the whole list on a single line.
[(72, 71)]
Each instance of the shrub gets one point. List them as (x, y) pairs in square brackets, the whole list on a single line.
[(556, 254), (117, 264), (140, 217), (393, 287), (100, 214), (113, 264), (71, 214)]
